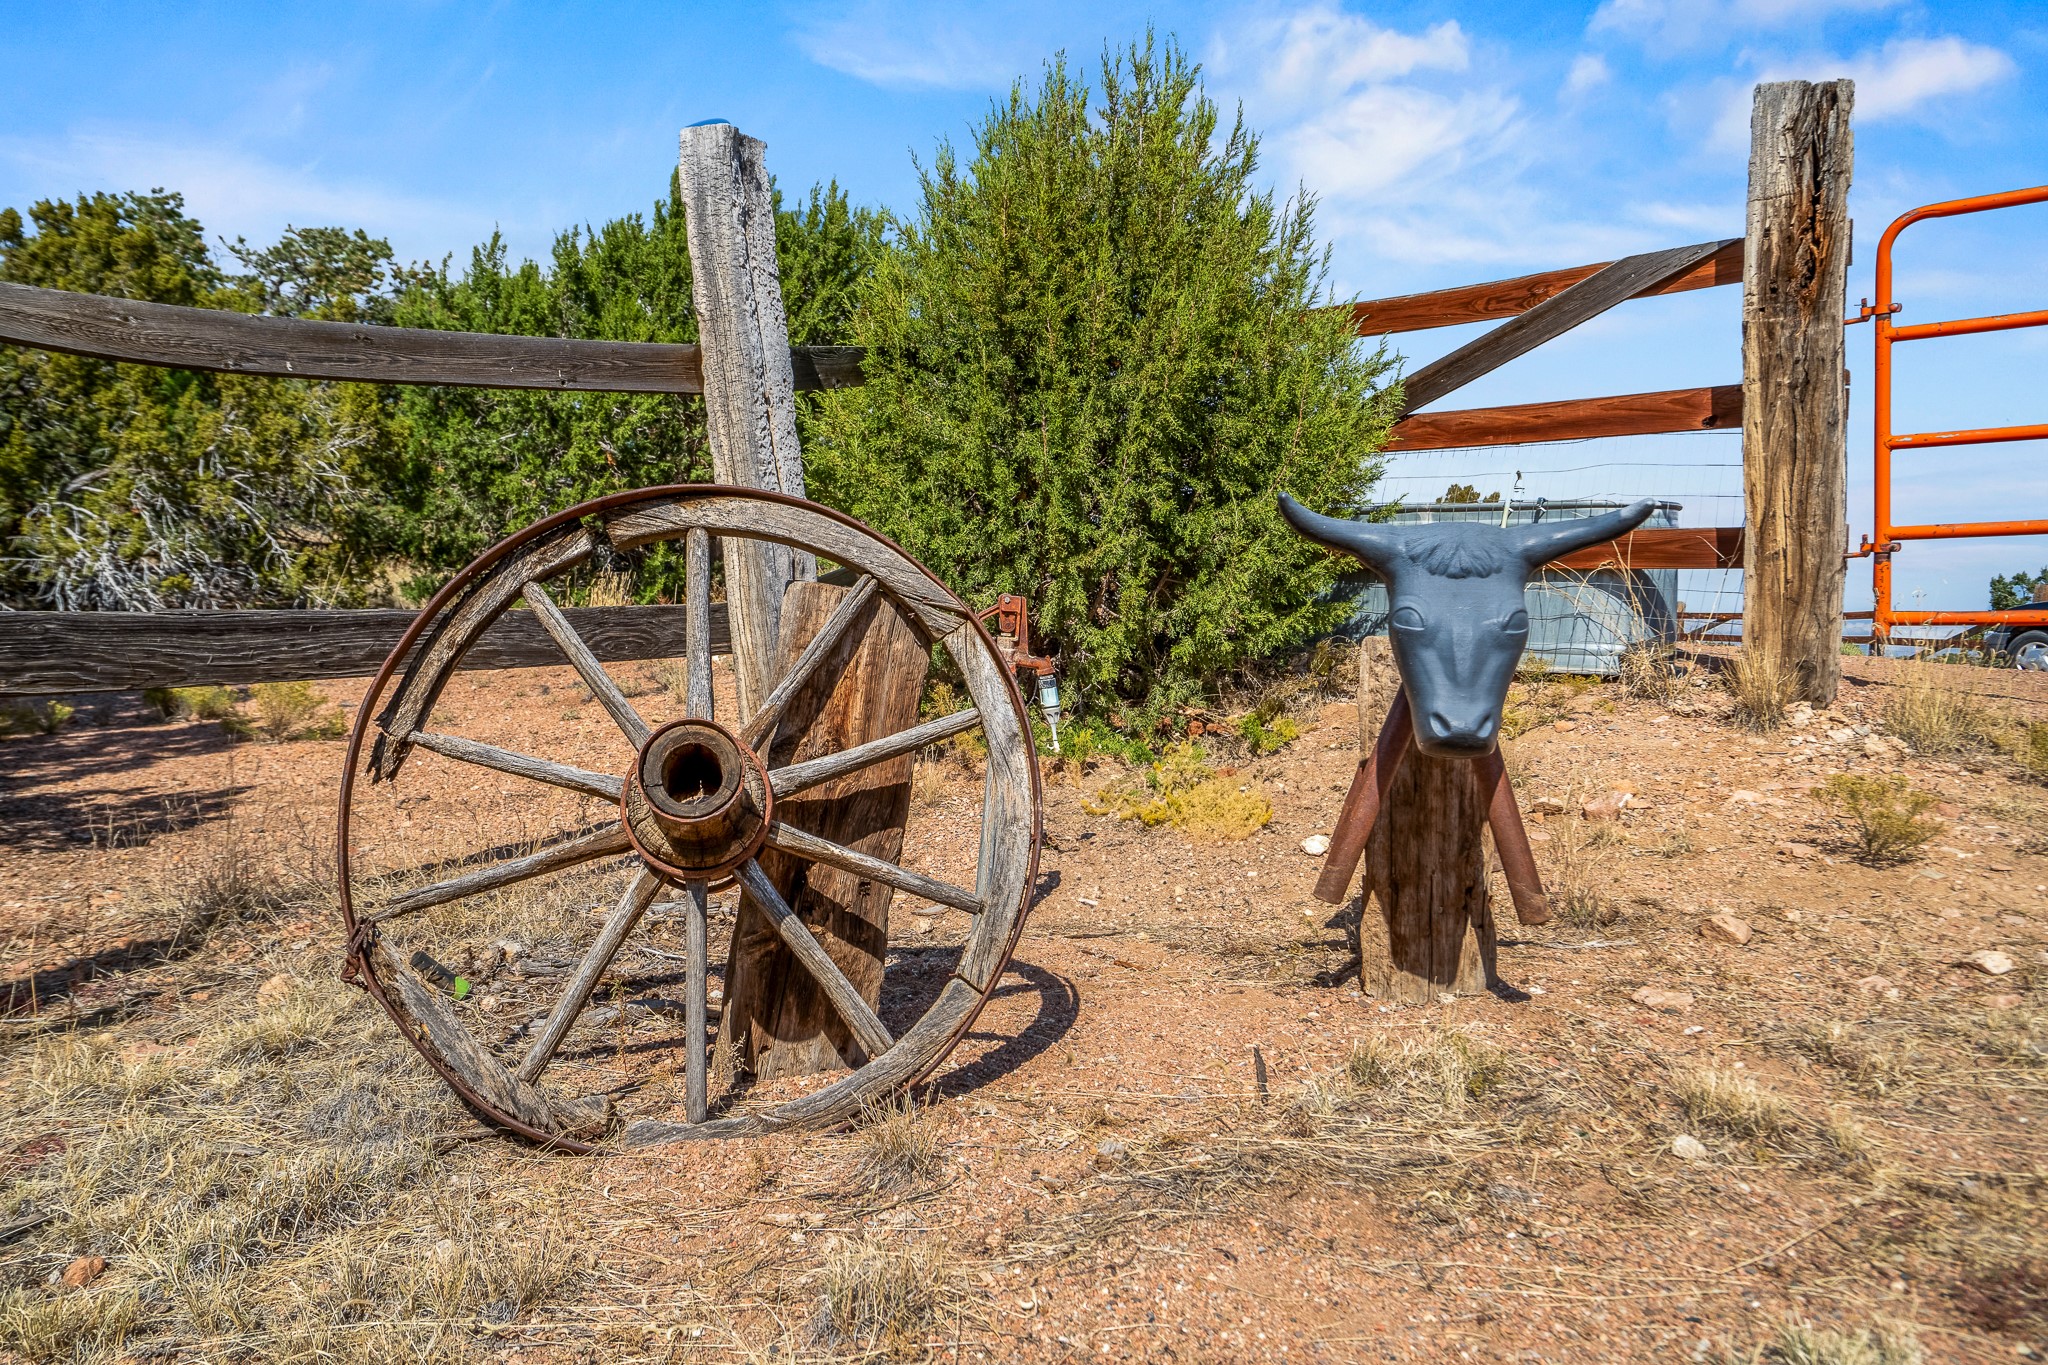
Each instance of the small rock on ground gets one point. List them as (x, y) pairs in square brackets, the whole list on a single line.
[(1657, 998), (83, 1271), (1726, 928), (1686, 1147), (1316, 845), (1608, 807), (1991, 962)]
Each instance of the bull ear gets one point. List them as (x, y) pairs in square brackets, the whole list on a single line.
[(1374, 544), (1540, 544)]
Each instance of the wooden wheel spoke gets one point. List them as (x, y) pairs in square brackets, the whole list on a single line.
[(587, 667), (600, 785), (696, 934), (761, 725), (806, 845), (638, 895), (604, 841), (697, 626), (867, 1028), (797, 776)]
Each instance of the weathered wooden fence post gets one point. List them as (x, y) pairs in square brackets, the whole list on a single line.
[(1795, 398), (749, 385), (776, 1019)]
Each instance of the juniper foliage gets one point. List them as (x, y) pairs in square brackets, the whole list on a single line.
[(1094, 355)]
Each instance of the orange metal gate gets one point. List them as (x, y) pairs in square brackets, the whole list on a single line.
[(1887, 538)]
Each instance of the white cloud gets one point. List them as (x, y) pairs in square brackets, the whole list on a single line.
[(1672, 25), (1589, 72), (933, 46), (235, 192), (1321, 52), (1892, 82), (1412, 155), (1389, 140)]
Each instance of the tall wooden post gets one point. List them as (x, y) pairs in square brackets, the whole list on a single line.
[(1794, 390), (749, 386)]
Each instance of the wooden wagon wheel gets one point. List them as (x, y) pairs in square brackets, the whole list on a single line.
[(684, 797)]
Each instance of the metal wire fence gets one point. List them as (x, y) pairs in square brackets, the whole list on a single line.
[(1581, 622)]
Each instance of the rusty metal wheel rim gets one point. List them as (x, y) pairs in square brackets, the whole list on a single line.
[(933, 597)]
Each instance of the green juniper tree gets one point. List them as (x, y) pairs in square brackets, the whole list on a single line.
[(2009, 592), (133, 487), (1094, 355), (485, 462)]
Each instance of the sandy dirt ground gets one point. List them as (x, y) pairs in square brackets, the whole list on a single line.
[(1179, 1131)]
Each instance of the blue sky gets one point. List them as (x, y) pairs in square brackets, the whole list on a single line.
[(1446, 143)]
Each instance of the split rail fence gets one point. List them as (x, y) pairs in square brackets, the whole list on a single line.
[(55, 652)]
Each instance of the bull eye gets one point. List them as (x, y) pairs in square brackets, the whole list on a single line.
[(1517, 622), (1407, 618)]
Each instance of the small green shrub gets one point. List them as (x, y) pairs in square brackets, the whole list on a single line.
[(292, 710), (202, 703), (1266, 736), (35, 717), (1889, 816)]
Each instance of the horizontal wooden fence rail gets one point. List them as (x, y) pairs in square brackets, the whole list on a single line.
[(1662, 547), (293, 348), (1574, 419), (1508, 298), (44, 652)]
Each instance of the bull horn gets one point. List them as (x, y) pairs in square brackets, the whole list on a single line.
[(1372, 543), (1540, 544)]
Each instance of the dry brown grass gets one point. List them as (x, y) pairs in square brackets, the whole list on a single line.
[(898, 1144), (885, 1293), (1649, 671), (260, 1177), (1732, 1104), (1932, 711), (1761, 686), (1802, 1343), (1406, 1111)]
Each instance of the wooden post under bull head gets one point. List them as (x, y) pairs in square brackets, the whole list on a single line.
[(1415, 822)]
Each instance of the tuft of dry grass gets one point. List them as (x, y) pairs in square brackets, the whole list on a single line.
[(898, 1144), (1648, 671), (883, 1293), (1762, 688), (1406, 1112), (673, 677), (1733, 1104), (1878, 1062), (1932, 711), (1888, 816), (1802, 1343)]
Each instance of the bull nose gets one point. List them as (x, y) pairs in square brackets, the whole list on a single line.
[(1442, 736)]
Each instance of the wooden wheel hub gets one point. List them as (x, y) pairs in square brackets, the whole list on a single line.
[(697, 802)]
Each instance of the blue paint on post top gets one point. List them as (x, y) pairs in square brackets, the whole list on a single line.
[(709, 122)]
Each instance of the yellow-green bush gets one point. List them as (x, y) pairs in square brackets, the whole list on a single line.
[(1888, 816), (1183, 791)]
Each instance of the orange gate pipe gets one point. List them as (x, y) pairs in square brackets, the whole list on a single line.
[(1886, 536)]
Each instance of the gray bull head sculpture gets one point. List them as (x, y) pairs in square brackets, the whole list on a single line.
[(1456, 612)]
